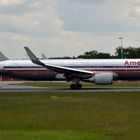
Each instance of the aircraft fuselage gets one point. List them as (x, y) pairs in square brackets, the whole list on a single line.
[(126, 69)]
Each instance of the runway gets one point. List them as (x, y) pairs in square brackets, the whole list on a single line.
[(8, 87)]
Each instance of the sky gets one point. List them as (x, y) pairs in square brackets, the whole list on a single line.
[(67, 27)]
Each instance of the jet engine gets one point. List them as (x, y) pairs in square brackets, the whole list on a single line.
[(102, 78)]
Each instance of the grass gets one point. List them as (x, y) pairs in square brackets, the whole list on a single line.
[(48, 135), (69, 116)]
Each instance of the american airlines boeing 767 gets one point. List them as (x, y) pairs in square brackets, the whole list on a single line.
[(98, 71)]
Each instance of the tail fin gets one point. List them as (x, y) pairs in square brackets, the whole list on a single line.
[(43, 56), (3, 57)]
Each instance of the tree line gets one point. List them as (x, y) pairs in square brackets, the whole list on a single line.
[(129, 52)]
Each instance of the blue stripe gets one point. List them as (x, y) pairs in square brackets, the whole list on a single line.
[(106, 67)]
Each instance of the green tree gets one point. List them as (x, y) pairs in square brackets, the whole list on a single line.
[(129, 52), (94, 54)]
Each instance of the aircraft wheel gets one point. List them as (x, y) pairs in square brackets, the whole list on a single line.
[(79, 86), (75, 86), (72, 86)]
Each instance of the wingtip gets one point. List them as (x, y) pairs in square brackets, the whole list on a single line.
[(33, 57), (26, 48)]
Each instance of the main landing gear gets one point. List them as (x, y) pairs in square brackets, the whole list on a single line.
[(76, 86)]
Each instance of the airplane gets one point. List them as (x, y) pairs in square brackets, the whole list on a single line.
[(98, 71), (3, 57), (43, 56)]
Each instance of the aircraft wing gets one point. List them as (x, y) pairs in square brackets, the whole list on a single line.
[(67, 71)]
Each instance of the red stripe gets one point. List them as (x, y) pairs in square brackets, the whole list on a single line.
[(94, 70), (26, 71)]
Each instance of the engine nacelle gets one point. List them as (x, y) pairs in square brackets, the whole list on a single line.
[(60, 77), (102, 79)]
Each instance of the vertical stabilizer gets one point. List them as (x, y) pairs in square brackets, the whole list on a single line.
[(43, 56), (3, 57)]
